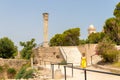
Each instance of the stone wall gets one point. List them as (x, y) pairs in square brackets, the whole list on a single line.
[(51, 54), (13, 63), (90, 50)]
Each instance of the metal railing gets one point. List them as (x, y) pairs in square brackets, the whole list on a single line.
[(52, 67), (54, 63), (85, 72)]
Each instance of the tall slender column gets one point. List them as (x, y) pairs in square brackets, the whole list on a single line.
[(45, 19)]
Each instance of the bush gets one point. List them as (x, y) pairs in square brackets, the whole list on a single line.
[(20, 74), (107, 51), (28, 74), (1, 72), (110, 56), (23, 73), (11, 72), (1, 69)]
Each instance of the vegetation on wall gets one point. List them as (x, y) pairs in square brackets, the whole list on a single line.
[(1, 72), (11, 73), (24, 73)]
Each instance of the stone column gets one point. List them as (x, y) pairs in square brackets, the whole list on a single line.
[(45, 19)]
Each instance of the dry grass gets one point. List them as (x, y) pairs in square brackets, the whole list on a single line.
[(116, 64)]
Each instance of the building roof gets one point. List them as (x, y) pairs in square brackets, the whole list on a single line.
[(91, 27)]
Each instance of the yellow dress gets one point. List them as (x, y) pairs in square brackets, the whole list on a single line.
[(83, 62)]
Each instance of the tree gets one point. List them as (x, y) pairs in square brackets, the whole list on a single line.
[(95, 37), (26, 52), (69, 37), (112, 26), (7, 48), (82, 41), (57, 40), (117, 11)]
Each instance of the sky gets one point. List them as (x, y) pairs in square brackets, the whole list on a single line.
[(22, 20)]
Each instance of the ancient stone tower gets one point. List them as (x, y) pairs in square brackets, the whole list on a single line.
[(45, 19), (91, 29)]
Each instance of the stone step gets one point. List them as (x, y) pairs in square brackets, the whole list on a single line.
[(73, 54)]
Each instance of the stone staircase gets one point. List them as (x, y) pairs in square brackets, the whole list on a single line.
[(71, 54)]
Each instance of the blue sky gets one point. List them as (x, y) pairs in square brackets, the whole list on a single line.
[(21, 20)]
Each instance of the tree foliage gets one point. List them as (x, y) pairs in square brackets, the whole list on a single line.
[(7, 48), (112, 29), (112, 26), (57, 40), (26, 52), (95, 37), (107, 50), (82, 41), (117, 11), (69, 37)]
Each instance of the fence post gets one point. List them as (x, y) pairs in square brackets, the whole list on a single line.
[(72, 69), (85, 74), (65, 72), (91, 60), (58, 66), (52, 65)]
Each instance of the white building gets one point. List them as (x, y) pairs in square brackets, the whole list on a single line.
[(91, 29)]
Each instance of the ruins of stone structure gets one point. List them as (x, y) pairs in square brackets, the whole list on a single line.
[(13, 63), (45, 19), (53, 54)]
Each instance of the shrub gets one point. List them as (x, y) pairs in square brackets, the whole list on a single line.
[(1, 72), (28, 74), (23, 73), (110, 56), (107, 51), (11, 72), (1, 69), (20, 74)]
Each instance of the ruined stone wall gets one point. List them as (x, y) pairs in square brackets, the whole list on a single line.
[(13, 63), (51, 54)]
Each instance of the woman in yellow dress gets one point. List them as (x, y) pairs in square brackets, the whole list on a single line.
[(83, 61)]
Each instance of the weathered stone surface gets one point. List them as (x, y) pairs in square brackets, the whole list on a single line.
[(51, 54), (13, 63)]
